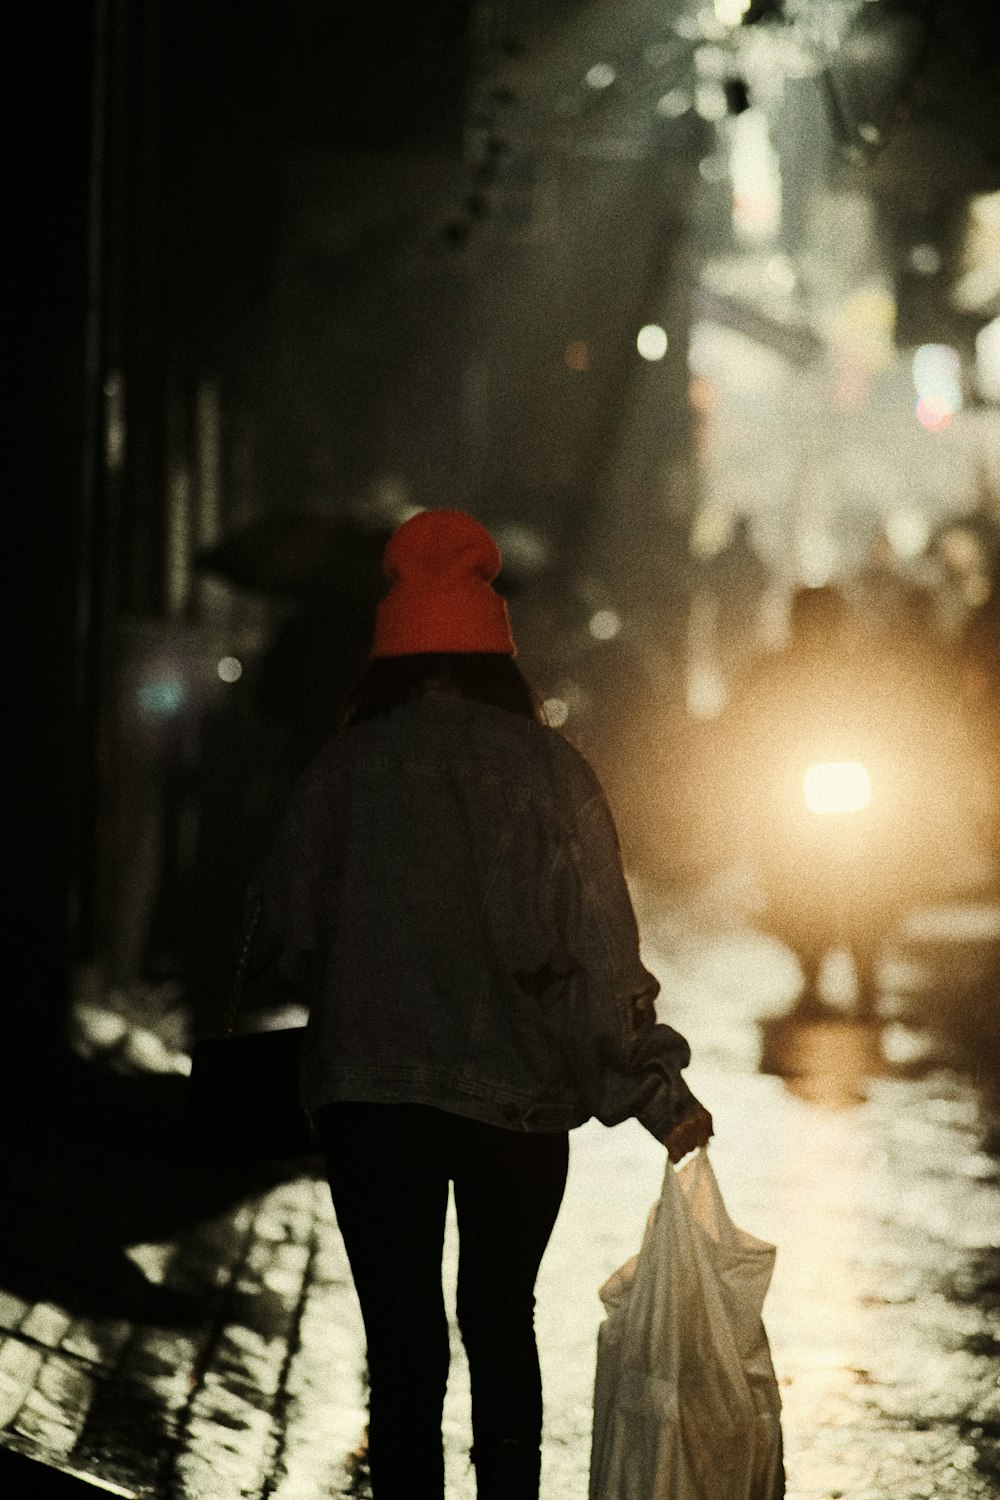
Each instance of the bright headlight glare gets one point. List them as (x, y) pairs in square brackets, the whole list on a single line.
[(837, 786)]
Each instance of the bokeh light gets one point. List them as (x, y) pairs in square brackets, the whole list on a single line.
[(978, 286), (756, 178), (652, 342), (937, 369), (674, 103), (556, 711), (230, 669), (908, 530), (865, 329), (710, 101), (837, 786), (577, 356), (605, 624), (934, 413), (988, 361), (703, 394), (601, 76), (937, 379), (925, 260), (162, 696), (730, 12)]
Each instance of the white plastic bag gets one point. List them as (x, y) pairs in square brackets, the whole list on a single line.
[(686, 1404)]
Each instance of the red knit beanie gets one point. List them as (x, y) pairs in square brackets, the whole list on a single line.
[(442, 564)]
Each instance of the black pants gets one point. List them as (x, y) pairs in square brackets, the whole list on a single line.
[(389, 1166)]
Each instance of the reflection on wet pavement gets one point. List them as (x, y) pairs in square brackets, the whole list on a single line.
[(865, 1163), (868, 1155)]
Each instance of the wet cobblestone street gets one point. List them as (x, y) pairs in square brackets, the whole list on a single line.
[(874, 1169)]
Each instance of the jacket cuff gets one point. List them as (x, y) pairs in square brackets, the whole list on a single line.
[(668, 1106)]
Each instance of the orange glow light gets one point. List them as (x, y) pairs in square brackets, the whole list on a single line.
[(934, 413), (702, 394)]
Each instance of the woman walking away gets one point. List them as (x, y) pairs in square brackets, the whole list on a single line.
[(447, 897)]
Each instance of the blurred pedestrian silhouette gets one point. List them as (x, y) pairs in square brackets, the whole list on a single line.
[(735, 581), (895, 609)]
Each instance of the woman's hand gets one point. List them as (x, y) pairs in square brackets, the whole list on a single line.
[(688, 1134)]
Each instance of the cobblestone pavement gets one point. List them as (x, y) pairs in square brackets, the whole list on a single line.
[(226, 1358)]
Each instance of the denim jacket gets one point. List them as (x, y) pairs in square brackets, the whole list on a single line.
[(446, 896)]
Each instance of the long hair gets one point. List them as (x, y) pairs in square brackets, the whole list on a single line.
[(486, 676)]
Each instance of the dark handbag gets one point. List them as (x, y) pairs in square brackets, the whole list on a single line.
[(243, 1093)]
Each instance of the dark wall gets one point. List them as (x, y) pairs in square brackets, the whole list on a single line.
[(50, 48)]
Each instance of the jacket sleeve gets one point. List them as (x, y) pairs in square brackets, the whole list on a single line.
[(601, 1005)]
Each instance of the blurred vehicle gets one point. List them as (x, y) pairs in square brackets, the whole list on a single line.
[(834, 784), (829, 832)]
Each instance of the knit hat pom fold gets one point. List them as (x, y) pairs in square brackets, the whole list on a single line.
[(441, 564)]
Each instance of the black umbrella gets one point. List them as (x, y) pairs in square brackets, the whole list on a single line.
[(301, 552)]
